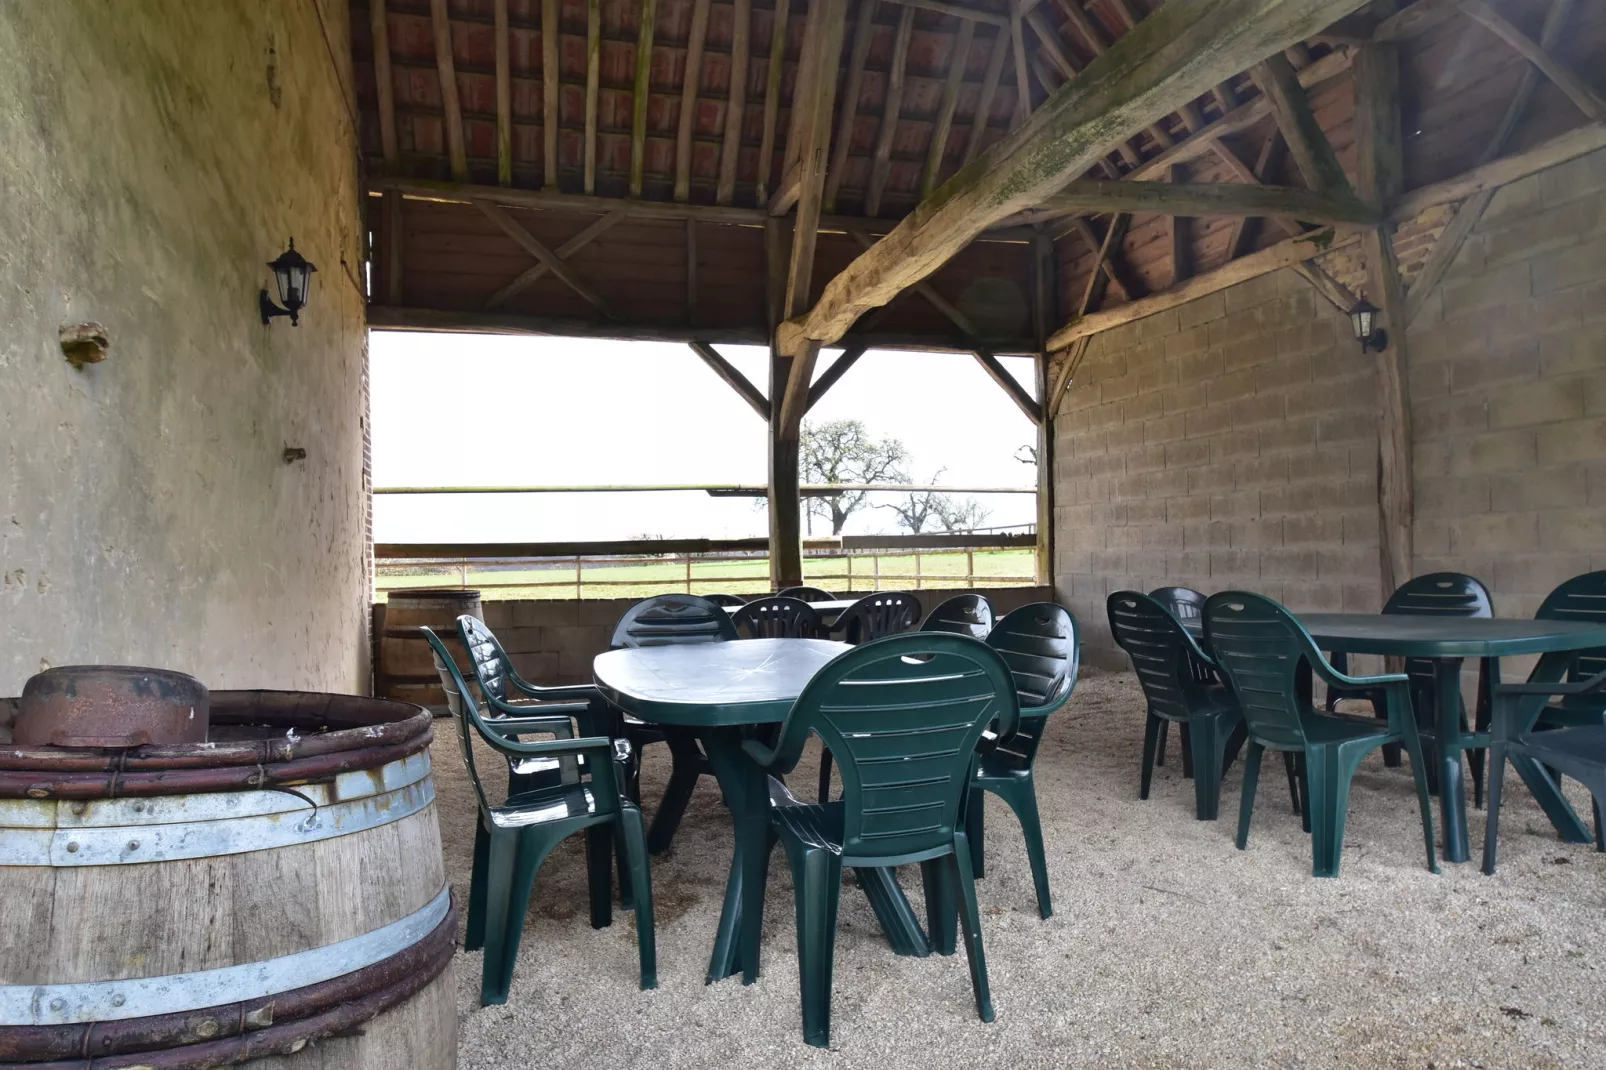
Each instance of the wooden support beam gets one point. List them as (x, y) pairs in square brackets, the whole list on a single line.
[(1284, 254), (504, 96), (1109, 262), (641, 90), (863, 31), (390, 318), (733, 377), (772, 97), (881, 161), (998, 51), (563, 252), (1205, 199), (451, 108), (787, 193), (1467, 217), (593, 88), (1023, 82), (1414, 19), (1018, 394), (1504, 171), (551, 91), (384, 85), (1091, 33), (930, 295), (945, 112), (1185, 49), (1312, 152), (1566, 79), (688, 98), (730, 150), (961, 11), (1053, 46), (839, 367), (528, 242), (691, 271), (813, 128), (1381, 171), (1336, 293), (1181, 238), (393, 247)]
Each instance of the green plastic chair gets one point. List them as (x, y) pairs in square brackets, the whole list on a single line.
[(1041, 646), (1578, 750), (875, 616), (905, 715), (512, 839), (778, 617), (1580, 598), (1263, 649), (963, 614)]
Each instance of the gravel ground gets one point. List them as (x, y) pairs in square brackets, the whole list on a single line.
[(1168, 947)]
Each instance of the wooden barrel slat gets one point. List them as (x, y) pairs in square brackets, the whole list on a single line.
[(405, 669), (82, 924)]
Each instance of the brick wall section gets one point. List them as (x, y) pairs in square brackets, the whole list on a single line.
[(553, 642), (1230, 443), (1508, 393)]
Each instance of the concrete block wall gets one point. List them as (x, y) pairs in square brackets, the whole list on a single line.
[(1508, 393), (1229, 443), (553, 642)]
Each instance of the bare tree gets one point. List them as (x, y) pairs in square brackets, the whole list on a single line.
[(844, 451), (936, 511)]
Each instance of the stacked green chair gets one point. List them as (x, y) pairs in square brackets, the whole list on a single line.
[(807, 594), (1187, 605), (1166, 660), (1264, 652), (1577, 750), (875, 616), (778, 617), (511, 839), (730, 601), (1040, 644), (963, 614), (671, 620), (905, 714)]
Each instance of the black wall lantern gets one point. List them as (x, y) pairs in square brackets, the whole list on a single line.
[(1363, 318), (293, 275)]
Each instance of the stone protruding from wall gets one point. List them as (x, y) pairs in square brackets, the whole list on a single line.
[(1227, 444)]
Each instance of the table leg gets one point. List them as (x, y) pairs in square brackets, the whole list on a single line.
[(892, 909), (1447, 753), (742, 783)]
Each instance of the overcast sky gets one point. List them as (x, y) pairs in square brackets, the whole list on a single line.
[(467, 410)]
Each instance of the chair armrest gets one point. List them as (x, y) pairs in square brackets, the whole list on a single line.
[(559, 693), (761, 753), (1339, 679), (554, 748), (1594, 685), (562, 727)]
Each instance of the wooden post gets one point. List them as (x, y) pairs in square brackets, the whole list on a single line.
[(786, 537), (1043, 316)]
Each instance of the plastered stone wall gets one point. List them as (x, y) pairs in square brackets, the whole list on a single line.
[(1227, 444), (154, 154)]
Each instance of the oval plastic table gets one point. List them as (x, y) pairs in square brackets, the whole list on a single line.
[(720, 690), (1448, 641)]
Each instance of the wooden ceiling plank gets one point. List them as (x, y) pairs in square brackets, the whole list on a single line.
[(881, 164), (772, 96), (945, 112), (384, 85), (641, 89), (989, 89), (690, 83), (504, 97), (863, 31), (731, 148), (451, 107), (563, 252), (593, 87), (1312, 152), (530, 244), (1565, 78)]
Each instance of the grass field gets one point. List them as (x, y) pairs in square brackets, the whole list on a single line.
[(636, 578)]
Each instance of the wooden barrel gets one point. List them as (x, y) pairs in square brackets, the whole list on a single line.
[(274, 898), (405, 670)]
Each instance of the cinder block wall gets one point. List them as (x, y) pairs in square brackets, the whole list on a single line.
[(553, 641), (1230, 443), (1508, 393)]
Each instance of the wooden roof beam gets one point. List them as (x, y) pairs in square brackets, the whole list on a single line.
[(1208, 199), (731, 148), (945, 111), (551, 90), (593, 88), (962, 11), (882, 160), (563, 252), (1312, 152), (641, 90), (451, 107), (1496, 173), (554, 263), (504, 96), (772, 95), (989, 89), (863, 31), (1566, 79), (383, 84), (688, 98)]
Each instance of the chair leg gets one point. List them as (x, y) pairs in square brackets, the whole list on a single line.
[(501, 854), (627, 884), (634, 839), (825, 775), (975, 828), (1413, 745), (1159, 748), (1185, 730), (526, 852), (1291, 767), (683, 776), (1246, 802), (599, 873), (1302, 774), (817, 876), (1600, 825), (1391, 751), (1206, 745), (1491, 825), (970, 924), (1153, 735), (1021, 796), (942, 905), (755, 882), (1328, 806), (474, 938)]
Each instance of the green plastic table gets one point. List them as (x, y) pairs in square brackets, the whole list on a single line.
[(1448, 641), (718, 690)]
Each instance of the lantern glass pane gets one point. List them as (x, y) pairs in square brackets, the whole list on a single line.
[(281, 278), (303, 283)]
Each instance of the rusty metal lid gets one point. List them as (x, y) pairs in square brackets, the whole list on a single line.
[(111, 706)]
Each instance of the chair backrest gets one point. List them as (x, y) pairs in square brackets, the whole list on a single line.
[(489, 661), (720, 599), (806, 594), (876, 616), (963, 614), (1185, 603), (671, 619), (1041, 646), (1161, 651), (1261, 647), (903, 717), (461, 702), (1439, 594), (1580, 598), (778, 618)]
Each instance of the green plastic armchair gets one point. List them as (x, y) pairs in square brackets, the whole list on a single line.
[(1261, 648), (511, 839), (904, 715)]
